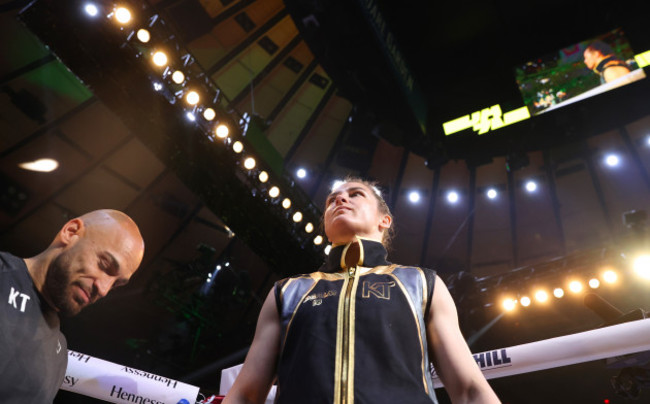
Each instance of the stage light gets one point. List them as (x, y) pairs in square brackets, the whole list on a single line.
[(237, 147), (91, 10), (157, 86), (541, 296), (509, 304), (178, 77), (222, 131), (297, 217), (190, 117), (575, 286), (414, 196), (209, 114), (286, 203), (143, 35), (525, 301), (301, 173), (160, 59), (612, 160), (642, 266), (610, 276), (558, 293), (318, 240), (263, 177), (647, 140), (40, 165), (192, 98), (531, 186), (122, 15), (249, 163), (452, 196), (594, 283), (309, 227), (274, 192), (491, 193), (327, 249)]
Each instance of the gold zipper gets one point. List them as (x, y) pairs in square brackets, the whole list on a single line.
[(346, 336)]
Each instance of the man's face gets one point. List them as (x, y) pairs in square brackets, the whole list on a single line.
[(87, 269), (591, 58), (352, 209)]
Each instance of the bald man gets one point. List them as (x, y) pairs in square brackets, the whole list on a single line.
[(89, 256)]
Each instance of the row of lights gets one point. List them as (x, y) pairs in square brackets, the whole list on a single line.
[(220, 131)]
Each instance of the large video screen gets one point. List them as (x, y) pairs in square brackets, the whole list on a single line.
[(577, 72)]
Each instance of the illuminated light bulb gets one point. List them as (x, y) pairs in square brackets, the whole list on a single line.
[(301, 173), (192, 98), (541, 296), (525, 301), (309, 227), (509, 304), (610, 276), (414, 196), (222, 131), (143, 35), (40, 165), (491, 193), (237, 147), (558, 292), (274, 192), (327, 250), (531, 186), (91, 10), (160, 59), (318, 240), (122, 15), (286, 203), (642, 266), (575, 287), (249, 163), (297, 217), (263, 177), (594, 283), (612, 160), (178, 77), (452, 196), (209, 114)]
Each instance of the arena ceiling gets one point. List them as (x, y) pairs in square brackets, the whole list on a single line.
[(323, 96)]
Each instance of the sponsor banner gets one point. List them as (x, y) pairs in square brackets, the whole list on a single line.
[(115, 383)]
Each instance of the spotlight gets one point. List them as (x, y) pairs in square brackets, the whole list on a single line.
[(575, 287), (594, 283), (642, 266), (309, 227), (274, 192), (209, 114), (178, 77), (541, 296), (558, 292), (190, 117), (452, 196), (491, 193), (297, 217), (263, 177), (143, 35), (122, 15), (525, 301), (612, 160), (610, 276), (531, 186), (157, 86), (222, 131), (414, 196), (192, 98), (91, 10), (249, 163), (509, 304), (286, 203), (237, 147), (301, 173), (40, 165), (318, 240), (327, 250), (160, 59)]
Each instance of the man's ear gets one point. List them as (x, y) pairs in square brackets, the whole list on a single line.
[(386, 222), (71, 231)]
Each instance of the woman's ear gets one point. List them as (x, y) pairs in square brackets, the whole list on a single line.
[(386, 222)]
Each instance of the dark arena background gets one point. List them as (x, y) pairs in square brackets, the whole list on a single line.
[(435, 100)]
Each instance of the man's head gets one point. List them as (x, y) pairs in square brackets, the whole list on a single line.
[(91, 255), (356, 208), (596, 52)]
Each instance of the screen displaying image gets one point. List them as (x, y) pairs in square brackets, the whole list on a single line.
[(577, 72)]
